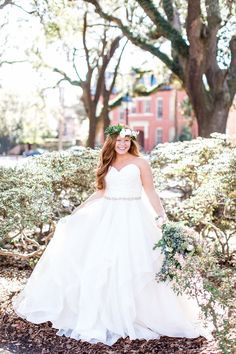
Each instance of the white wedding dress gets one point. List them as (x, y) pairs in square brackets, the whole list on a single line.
[(96, 279)]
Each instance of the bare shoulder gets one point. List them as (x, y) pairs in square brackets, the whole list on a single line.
[(142, 163)]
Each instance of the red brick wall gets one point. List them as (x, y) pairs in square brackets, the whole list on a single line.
[(149, 123)]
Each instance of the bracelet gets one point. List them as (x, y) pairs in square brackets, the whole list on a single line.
[(158, 217)]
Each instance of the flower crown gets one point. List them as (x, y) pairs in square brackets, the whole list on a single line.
[(121, 131)]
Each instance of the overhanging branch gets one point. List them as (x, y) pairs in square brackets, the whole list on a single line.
[(213, 13), (170, 33), (5, 3), (116, 69), (169, 10), (105, 62), (67, 78), (12, 62), (138, 41), (74, 65)]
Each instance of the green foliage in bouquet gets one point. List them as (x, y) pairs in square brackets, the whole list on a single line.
[(177, 243)]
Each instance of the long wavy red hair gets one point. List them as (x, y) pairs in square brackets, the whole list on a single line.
[(108, 155)]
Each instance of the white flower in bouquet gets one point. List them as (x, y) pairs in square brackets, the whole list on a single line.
[(180, 259), (190, 247), (169, 249)]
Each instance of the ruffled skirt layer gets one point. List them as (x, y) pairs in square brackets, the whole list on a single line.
[(96, 279)]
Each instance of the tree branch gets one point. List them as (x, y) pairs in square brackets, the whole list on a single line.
[(67, 78), (7, 253), (209, 36), (101, 68), (170, 33), (84, 41), (12, 61), (105, 62), (74, 65), (138, 41), (5, 3), (196, 51), (172, 14), (231, 74), (169, 10), (116, 69), (21, 8), (213, 13), (193, 17)]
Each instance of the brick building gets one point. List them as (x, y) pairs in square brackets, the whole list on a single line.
[(157, 116)]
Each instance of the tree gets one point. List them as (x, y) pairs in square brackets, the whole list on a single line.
[(22, 119), (94, 55), (6, 47), (201, 37)]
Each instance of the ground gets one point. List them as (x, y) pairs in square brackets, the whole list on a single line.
[(21, 337)]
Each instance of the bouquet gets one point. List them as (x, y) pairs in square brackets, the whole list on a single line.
[(178, 242)]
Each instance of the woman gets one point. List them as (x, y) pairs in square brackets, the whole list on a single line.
[(96, 279)]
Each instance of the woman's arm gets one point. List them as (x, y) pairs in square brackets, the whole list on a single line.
[(148, 186), (95, 195)]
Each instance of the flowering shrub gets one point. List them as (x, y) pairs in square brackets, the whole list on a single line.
[(38, 193), (201, 176)]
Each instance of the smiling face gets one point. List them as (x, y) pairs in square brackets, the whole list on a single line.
[(122, 145)]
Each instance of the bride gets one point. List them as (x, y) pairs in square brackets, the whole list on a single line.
[(96, 279)]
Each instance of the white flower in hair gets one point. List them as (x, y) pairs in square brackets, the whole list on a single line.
[(127, 132), (122, 133), (135, 133)]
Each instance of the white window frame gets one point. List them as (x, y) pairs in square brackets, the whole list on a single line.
[(147, 104)]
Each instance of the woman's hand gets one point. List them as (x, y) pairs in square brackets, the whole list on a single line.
[(160, 220)]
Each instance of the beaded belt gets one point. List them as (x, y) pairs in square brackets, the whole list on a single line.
[(122, 198)]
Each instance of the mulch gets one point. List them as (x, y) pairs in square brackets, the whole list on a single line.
[(21, 337)]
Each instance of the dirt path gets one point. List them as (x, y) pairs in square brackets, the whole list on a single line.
[(21, 337)]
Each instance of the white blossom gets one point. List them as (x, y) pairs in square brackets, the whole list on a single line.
[(127, 132), (122, 133)]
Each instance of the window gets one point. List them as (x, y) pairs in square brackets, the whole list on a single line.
[(159, 135), (159, 108), (133, 107), (139, 107), (121, 115), (147, 106)]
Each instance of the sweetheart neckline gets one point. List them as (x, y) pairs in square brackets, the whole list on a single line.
[(129, 164)]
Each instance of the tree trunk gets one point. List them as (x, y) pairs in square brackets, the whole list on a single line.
[(194, 59), (92, 132), (90, 109), (106, 119), (211, 122)]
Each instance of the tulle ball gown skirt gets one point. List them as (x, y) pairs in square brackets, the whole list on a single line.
[(96, 279)]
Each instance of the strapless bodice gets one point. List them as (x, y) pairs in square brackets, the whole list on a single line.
[(125, 183)]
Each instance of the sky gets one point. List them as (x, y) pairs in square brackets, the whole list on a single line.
[(22, 78)]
